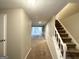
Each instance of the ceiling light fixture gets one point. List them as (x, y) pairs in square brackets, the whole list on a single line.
[(40, 22), (31, 3)]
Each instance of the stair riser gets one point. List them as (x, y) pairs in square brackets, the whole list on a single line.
[(72, 54), (58, 24), (64, 35), (61, 31), (66, 40), (71, 47), (60, 28)]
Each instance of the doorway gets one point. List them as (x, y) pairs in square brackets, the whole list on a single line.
[(37, 35), (38, 31)]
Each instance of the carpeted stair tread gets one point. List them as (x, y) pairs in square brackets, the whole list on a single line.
[(66, 39), (73, 52), (63, 34)]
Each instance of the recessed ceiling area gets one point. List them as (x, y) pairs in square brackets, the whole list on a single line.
[(38, 10)]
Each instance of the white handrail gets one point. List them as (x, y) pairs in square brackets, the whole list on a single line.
[(62, 43), (59, 36)]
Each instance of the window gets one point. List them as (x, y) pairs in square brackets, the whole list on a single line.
[(37, 31)]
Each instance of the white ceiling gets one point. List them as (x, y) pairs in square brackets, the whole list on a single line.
[(41, 10)]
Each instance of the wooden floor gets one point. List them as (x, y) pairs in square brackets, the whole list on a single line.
[(40, 50)]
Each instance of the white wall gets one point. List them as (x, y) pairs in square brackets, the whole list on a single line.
[(18, 33), (72, 25), (26, 34), (70, 9), (49, 34)]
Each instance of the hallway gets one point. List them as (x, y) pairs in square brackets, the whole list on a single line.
[(39, 50), (39, 29)]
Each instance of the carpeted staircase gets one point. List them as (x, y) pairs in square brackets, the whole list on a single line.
[(72, 52)]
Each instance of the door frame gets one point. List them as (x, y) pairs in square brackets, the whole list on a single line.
[(5, 34)]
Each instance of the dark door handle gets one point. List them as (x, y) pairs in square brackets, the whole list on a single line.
[(2, 40)]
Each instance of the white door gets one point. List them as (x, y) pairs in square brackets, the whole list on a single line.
[(3, 36)]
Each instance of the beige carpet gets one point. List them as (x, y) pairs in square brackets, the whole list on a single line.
[(39, 51)]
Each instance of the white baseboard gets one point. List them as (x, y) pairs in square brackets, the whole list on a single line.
[(49, 48), (27, 53)]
